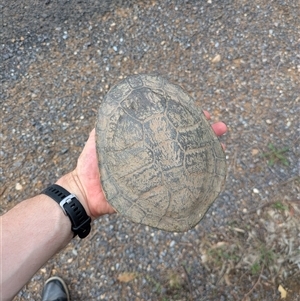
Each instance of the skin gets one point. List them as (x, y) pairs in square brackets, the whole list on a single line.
[(36, 229)]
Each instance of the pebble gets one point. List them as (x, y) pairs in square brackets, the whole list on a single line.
[(216, 59), (65, 35), (255, 190), (172, 244), (18, 186)]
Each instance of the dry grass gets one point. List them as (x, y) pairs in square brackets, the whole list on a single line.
[(254, 257)]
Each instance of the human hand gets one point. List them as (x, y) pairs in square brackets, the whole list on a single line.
[(219, 128), (85, 183)]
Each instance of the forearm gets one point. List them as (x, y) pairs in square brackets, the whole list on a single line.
[(28, 243)]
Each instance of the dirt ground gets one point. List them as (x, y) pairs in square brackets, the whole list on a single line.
[(240, 60)]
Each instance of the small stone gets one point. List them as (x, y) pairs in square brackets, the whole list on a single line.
[(216, 59), (245, 210), (65, 35), (255, 190), (19, 186), (43, 270), (254, 152), (268, 121), (204, 258), (172, 244)]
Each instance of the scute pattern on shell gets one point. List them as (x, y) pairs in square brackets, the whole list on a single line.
[(160, 162)]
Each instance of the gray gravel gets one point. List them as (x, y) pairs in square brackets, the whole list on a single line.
[(240, 60)]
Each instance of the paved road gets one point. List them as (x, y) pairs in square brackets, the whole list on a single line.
[(239, 59)]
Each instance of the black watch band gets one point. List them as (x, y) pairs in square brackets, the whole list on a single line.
[(81, 222)]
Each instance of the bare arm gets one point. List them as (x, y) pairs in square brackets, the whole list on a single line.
[(27, 243), (36, 229)]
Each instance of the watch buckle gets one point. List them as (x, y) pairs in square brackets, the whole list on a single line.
[(67, 199)]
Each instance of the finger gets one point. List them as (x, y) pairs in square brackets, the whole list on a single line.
[(90, 143), (207, 115), (93, 132), (219, 128), (92, 137)]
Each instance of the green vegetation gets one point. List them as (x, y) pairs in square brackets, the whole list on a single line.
[(276, 155), (279, 206), (255, 268), (221, 254), (266, 259)]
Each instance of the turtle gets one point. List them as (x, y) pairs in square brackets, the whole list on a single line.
[(160, 162)]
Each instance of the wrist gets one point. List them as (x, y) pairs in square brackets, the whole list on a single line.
[(71, 183)]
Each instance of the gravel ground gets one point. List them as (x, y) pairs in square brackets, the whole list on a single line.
[(240, 60)]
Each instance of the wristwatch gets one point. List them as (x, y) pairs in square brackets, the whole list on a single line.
[(81, 222)]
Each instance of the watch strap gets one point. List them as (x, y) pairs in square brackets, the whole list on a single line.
[(81, 222)]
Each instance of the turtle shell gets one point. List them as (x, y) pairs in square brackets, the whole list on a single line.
[(160, 162)]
